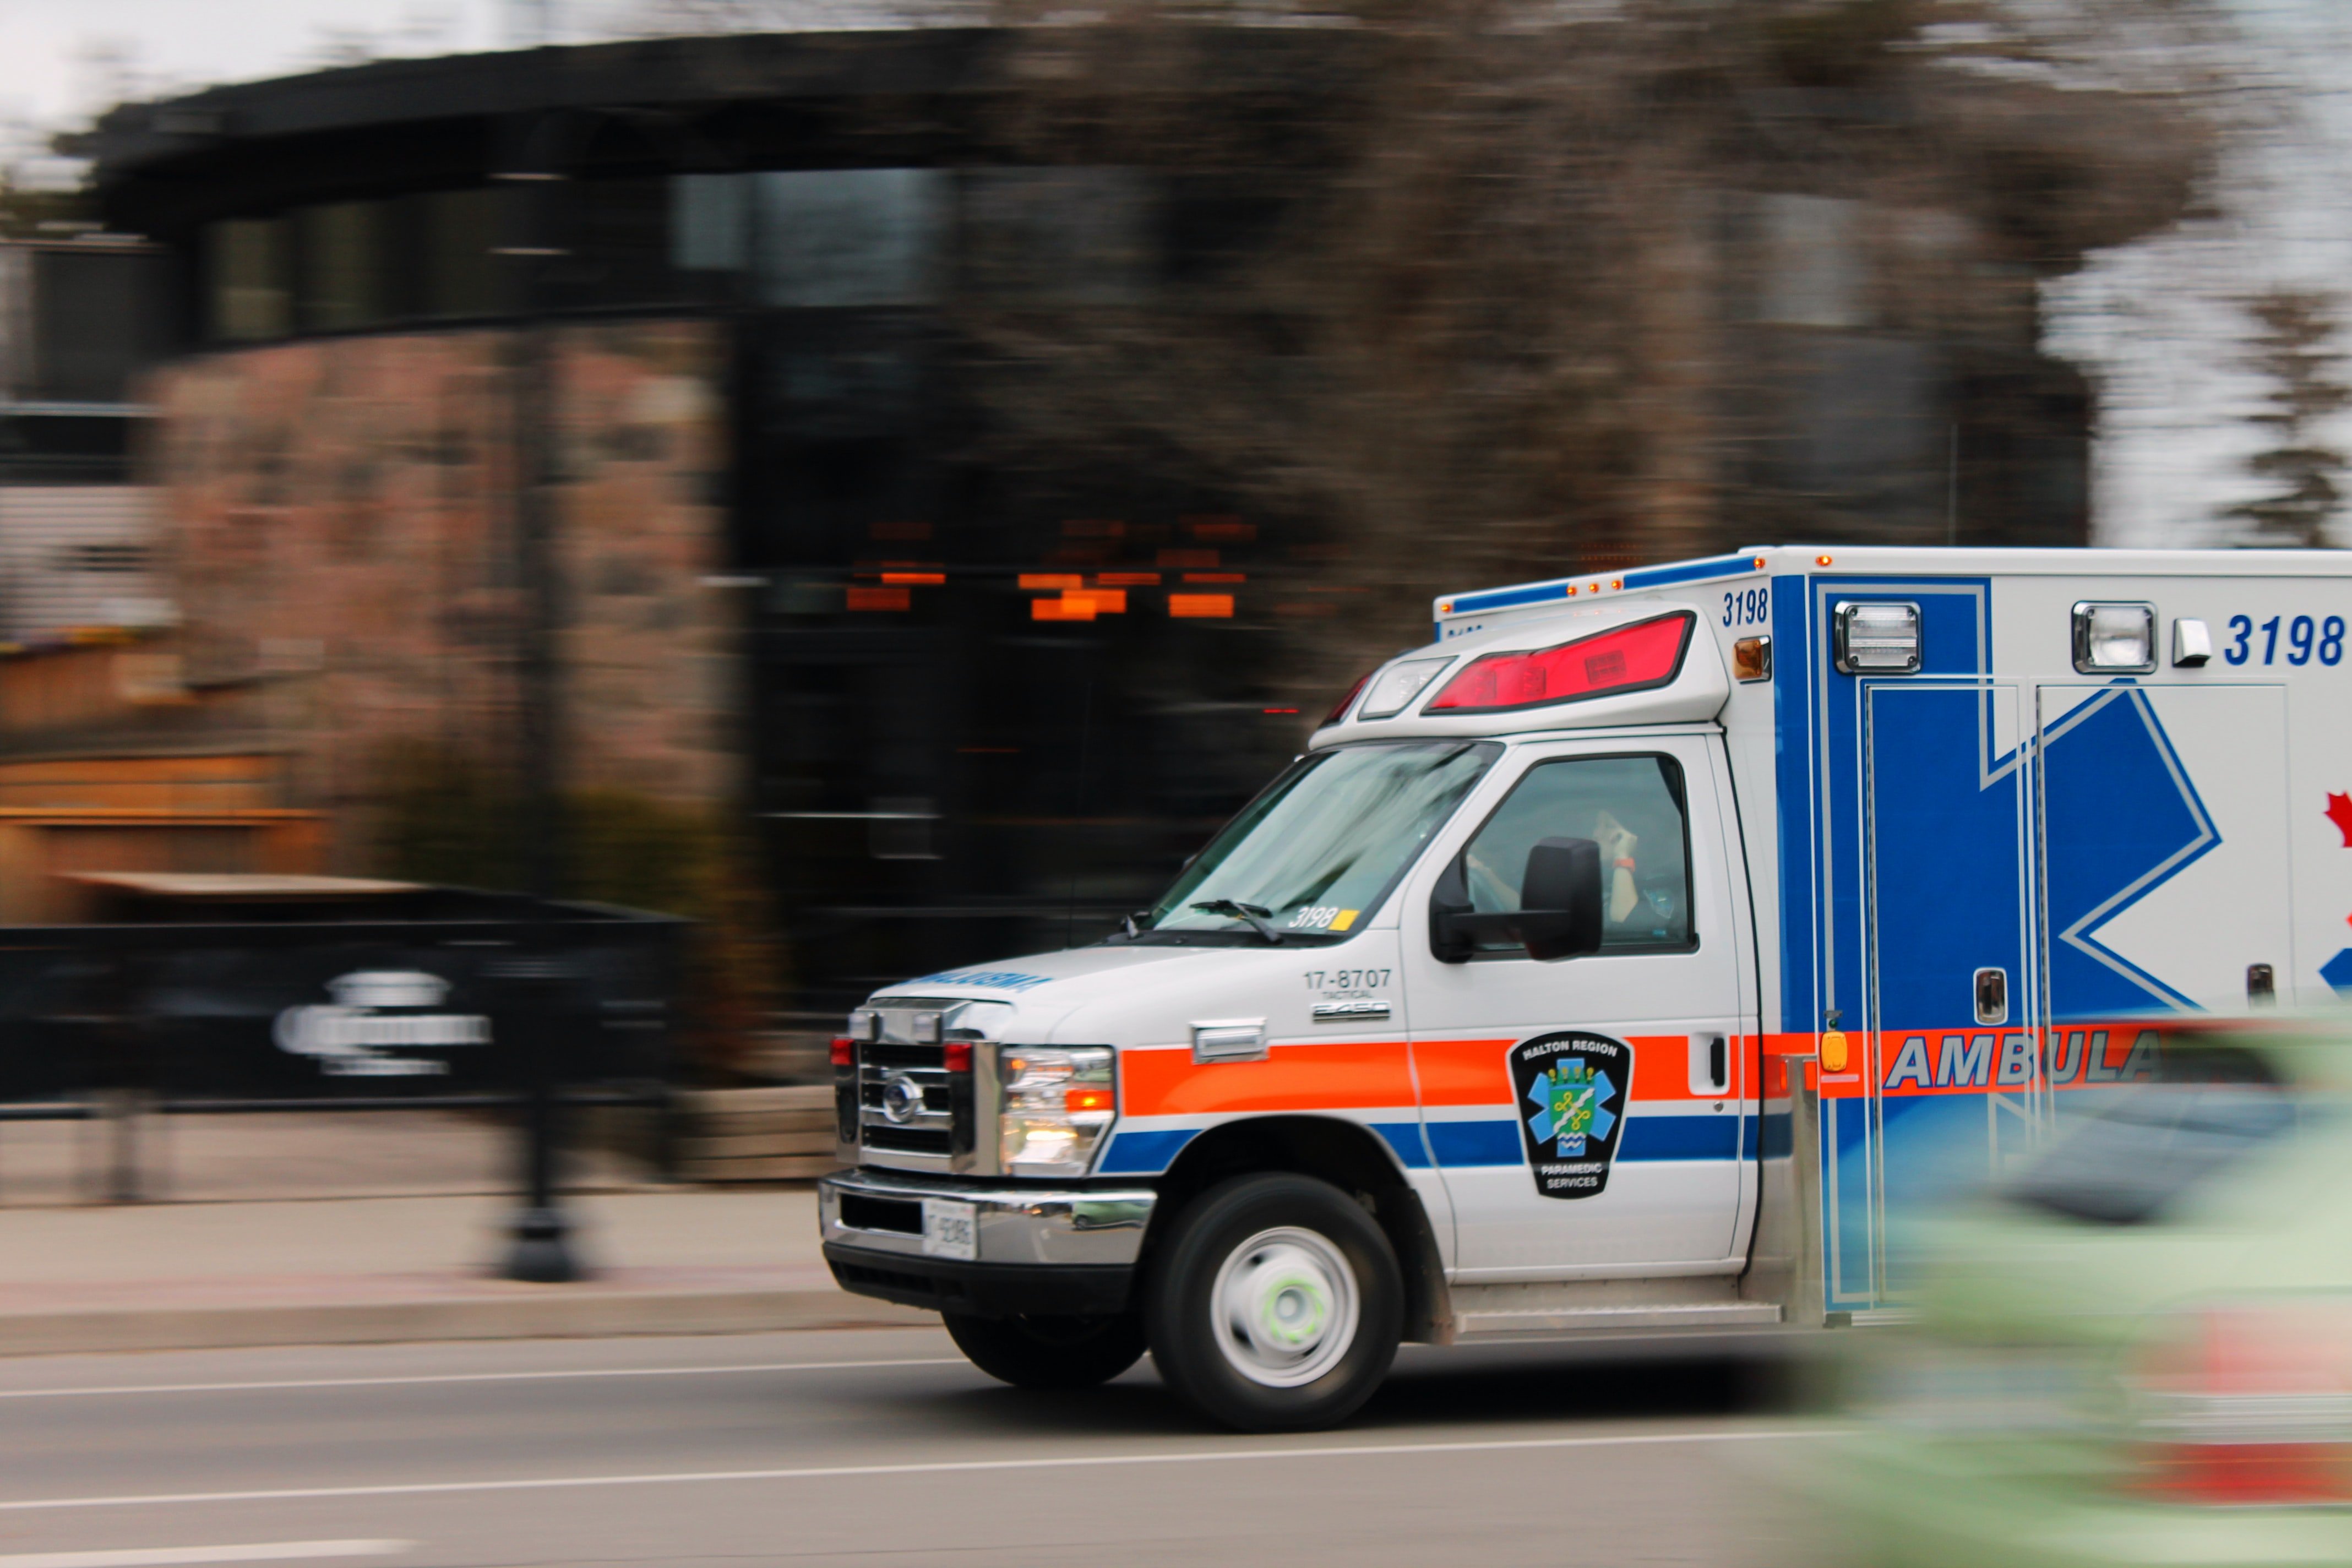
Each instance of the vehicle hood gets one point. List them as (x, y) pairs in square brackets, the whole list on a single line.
[(1139, 996)]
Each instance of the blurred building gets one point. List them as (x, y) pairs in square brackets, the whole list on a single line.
[(967, 705), (79, 317)]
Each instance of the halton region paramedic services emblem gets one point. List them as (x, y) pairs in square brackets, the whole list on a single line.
[(1571, 1098)]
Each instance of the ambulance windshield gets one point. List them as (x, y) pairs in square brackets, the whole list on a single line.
[(1311, 858)]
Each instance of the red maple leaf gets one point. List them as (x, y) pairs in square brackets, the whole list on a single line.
[(2339, 812)]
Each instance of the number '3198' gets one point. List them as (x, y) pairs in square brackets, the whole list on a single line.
[(2304, 640), (1748, 607)]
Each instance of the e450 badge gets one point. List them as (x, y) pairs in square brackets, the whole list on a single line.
[(1571, 1091)]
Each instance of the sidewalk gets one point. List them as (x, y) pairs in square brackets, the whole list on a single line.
[(404, 1251)]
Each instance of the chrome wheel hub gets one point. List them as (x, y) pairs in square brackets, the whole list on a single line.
[(1284, 1306)]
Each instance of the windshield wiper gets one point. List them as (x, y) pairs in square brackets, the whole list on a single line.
[(1254, 916)]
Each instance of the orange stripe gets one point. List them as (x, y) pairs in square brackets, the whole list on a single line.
[(1477, 1072), (1339, 1075), (1464, 1072)]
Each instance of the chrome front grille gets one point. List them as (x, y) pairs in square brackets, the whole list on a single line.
[(896, 1103), (906, 1104)]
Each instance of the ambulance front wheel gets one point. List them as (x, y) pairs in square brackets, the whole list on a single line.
[(1275, 1303), (1040, 1352)]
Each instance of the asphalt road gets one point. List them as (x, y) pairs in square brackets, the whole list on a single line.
[(871, 1447)]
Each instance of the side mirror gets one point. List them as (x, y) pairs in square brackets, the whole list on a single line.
[(1560, 912), (1559, 900), (1451, 923)]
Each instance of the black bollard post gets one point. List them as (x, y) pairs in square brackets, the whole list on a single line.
[(540, 1250)]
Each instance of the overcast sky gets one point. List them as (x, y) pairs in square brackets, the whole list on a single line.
[(2155, 323), (2159, 325), (48, 75)]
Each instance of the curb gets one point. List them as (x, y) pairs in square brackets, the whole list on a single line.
[(564, 1312)]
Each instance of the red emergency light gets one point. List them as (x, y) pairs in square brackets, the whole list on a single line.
[(1347, 699), (1623, 658)]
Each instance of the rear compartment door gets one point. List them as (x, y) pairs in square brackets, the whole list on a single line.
[(1948, 1053)]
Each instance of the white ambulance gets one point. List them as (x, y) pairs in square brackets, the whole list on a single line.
[(1627, 961)]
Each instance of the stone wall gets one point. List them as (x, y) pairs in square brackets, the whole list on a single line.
[(338, 522)]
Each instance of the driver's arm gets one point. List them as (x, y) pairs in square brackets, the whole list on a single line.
[(1617, 845)]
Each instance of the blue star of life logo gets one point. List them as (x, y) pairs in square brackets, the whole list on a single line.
[(1572, 1106)]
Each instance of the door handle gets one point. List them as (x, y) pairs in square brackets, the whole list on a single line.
[(1710, 1064), (1992, 996)]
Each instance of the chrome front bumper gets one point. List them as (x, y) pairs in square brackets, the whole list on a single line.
[(1050, 1228)]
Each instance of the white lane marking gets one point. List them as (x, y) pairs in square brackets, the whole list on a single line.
[(158, 1556), (468, 1377), (940, 1467)]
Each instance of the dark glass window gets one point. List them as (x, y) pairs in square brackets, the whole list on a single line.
[(1632, 807), (835, 238), (709, 222), (97, 318), (463, 275), (248, 265), (620, 244), (346, 266)]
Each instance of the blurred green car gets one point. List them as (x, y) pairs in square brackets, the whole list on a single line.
[(2137, 1348)]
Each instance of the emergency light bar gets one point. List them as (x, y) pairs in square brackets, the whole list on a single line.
[(1637, 657)]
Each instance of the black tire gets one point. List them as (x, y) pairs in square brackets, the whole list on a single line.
[(1261, 1373), (1049, 1351)]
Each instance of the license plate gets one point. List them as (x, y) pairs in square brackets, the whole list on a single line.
[(950, 1229)]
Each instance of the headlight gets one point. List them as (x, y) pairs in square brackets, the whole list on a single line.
[(1059, 1101)]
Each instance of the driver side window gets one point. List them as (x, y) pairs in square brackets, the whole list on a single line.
[(1632, 807)]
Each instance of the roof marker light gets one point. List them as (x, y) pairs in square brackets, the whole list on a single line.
[(1623, 658), (1820, 560)]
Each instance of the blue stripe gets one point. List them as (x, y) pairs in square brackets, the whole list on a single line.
[(1646, 577), (1143, 1154), (1712, 1137), (1404, 1137), (1505, 598), (1680, 1137), (1465, 1143), (1691, 571), (1476, 1143)]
